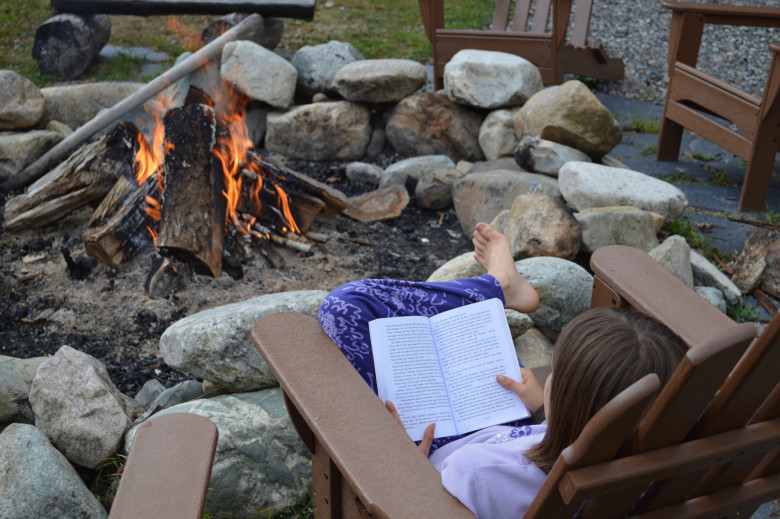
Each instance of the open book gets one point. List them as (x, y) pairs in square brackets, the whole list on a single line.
[(443, 369)]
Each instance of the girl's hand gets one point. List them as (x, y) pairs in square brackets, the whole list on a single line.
[(427, 440), (529, 390)]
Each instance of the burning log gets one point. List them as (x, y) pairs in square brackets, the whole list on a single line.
[(192, 221), (66, 44)]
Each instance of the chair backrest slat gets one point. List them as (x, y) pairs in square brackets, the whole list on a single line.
[(579, 30), (541, 16), (501, 15)]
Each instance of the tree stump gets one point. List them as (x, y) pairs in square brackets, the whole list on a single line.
[(66, 44)]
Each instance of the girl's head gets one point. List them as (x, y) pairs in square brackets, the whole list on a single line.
[(599, 354)]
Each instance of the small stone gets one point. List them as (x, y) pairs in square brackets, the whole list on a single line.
[(382, 204), (674, 255)]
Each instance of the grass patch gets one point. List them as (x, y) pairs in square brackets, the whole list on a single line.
[(772, 217), (706, 157), (637, 124), (741, 312), (649, 150), (688, 230), (682, 178), (719, 177)]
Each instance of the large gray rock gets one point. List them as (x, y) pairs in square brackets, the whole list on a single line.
[(431, 124), (459, 267), (178, 394), (489, 79), (585, 185), (480, 197), (74, 105), (215, 344), (20, 149), (707, 274), (613, 226), (497, 134), (336, 130), (379, 80), (434, 190), (14, 392), (38, 481), (713, 296), (25, 368), (564, 290), (78, 408), (317, 64), (674, 255), (570, 114), (259, 73), (539, 225), (260, 462), (414, 168), (534, 349), (543, 156), (21, 102)]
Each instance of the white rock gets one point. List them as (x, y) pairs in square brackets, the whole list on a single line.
[(674, 255), (379, 80), (497, 134), (707, 274), (585, 185), (259, 73)]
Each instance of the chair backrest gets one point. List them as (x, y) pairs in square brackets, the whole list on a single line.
[(725, 389), (168, 468)]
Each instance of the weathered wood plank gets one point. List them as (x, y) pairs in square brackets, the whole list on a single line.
[(303, 9)]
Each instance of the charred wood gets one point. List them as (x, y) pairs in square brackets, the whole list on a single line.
[(66, 44), (192, 225)]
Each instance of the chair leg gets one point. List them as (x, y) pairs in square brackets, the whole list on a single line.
[(669, 140), (758, 174)]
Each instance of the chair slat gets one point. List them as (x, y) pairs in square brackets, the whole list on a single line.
[(541, 16), (522, 14), (579, 31), (501, 15)]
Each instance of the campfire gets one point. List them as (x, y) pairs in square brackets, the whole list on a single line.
[(191, 183)]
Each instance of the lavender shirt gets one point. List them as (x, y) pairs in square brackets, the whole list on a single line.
[(488, 472)]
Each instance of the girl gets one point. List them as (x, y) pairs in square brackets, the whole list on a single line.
[(497, 471)]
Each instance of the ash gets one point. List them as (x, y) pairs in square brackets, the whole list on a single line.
[(108, 315)]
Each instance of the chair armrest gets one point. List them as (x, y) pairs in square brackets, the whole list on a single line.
[(432, 14), (642, 283), (168, 469), (728, 14), (374, 454)]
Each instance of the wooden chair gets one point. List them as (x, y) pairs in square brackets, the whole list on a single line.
[(168, 469), (549, 51), (694, 96), (707, 445)]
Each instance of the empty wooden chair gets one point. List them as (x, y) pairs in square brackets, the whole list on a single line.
[(550, 51), (694, 96), (168, 469), (707, 445)]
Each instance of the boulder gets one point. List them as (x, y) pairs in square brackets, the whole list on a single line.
[(570, 114), (414, 168), (707, 274), (431, 124), (38, 481), (547, 157), (75, 105), (539, 225), (460, 267), (215, 344), (481, 197), (20, 149), (379, 80), (490, 79), (14, 392), (260, 463), (674, 255), (497, 134), (713, 296), (21, 102), (259, 73), (317, 64), (585, 185), (434, 190), (564, 290), (534, 349), (335, 130), (78, 408), (614, 226)]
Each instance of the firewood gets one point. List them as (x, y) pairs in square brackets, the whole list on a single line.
[(214, 49), (66, 44), (192, 226), (72, 184), (123, 228)]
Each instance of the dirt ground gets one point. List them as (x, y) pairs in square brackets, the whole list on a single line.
[(109, 316)]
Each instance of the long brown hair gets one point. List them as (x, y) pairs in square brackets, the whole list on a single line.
[(599, 354)]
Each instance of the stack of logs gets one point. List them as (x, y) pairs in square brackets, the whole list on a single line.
[(184, 203)]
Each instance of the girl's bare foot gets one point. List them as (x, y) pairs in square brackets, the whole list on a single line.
[(492, 251)]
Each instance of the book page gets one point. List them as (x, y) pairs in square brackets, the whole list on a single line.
[(474, 346), (409, 375)]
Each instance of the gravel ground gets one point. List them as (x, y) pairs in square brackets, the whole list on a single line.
[(638, 32)]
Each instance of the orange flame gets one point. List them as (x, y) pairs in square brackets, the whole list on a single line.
[(285, 202)]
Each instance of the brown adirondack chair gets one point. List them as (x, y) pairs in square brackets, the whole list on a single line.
[(548, 50), (693, 96), (693, 455), (168, 469)]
